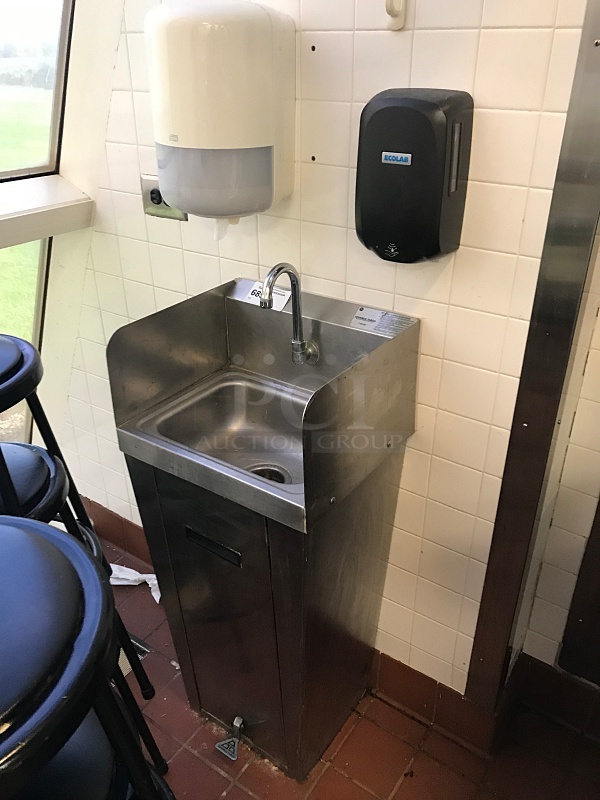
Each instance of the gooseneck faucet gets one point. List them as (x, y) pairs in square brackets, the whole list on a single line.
[(303, 352)]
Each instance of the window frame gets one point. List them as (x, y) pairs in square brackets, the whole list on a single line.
[(58, 104)]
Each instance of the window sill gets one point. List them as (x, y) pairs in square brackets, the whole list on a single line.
[(36, 208)]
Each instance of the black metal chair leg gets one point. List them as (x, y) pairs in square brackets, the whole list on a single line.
[(140, 722), (41, 421), (137, 668), (124, 743), (68, 520)]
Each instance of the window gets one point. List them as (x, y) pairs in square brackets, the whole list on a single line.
[(22, 271), (34, 37), (33, 46)]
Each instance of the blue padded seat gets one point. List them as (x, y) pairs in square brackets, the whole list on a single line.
[(39, 480), (20, 370)]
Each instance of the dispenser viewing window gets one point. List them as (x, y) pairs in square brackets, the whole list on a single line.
[(222, 89), (413, 164)]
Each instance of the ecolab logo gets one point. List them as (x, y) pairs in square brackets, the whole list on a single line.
[(397, 158)]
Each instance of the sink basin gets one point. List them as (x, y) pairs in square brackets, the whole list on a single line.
[(206, 390), (246, 420)]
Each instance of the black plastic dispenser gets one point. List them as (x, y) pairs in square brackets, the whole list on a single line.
[(413, 164)]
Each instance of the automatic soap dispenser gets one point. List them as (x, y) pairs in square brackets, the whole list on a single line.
[(222, 89), (413, 164)]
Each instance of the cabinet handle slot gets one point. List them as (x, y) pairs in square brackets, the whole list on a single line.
[(217, 549)]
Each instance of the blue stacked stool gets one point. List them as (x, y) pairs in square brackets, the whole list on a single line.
[(64, 733), (35, 483)]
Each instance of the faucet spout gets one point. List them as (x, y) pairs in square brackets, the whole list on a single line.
[(303, 352)]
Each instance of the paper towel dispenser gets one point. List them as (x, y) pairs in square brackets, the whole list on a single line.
[(222, 88), (413, 164)]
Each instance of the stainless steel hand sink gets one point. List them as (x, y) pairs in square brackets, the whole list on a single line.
[(266, 475), (246, 420), (206, 390)]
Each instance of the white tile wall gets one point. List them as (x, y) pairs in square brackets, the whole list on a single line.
[(474, 307)]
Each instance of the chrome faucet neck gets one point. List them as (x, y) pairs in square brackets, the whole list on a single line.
[(303, 352)]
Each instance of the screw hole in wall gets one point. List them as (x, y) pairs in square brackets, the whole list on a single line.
[(313, 158), (313, 48)]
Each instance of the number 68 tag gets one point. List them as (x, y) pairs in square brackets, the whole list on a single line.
[(280, 296)]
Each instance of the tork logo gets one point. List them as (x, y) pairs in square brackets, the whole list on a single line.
[(397, 158)]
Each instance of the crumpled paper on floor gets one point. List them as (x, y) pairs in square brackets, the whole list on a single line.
[(124, 576)]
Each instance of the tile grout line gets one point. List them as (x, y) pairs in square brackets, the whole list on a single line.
[(401, 779)]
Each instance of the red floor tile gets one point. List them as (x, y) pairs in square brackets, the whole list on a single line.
[(341, 736), (267, 782), (454, 756), (578, 787), (237, 793), (516, 774), (141, 613), (172, 714), (204, 742), (159, 671), (191, 779), (124, 593), (166, 744), (162, 641), (427, 779), (396, 722), (335, 786), (537, 734), (373, 757)]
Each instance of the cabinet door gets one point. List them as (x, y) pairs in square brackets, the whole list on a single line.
[(220, 561)]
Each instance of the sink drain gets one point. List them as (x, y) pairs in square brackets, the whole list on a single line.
[(272, 473)]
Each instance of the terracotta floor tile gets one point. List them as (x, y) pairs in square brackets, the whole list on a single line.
[(162, 641), (542, 736), (191, 779), (204, 742), (454, 756), (172, 714), (341, 736), (427, 779), (237, 793), (124, 593), (516, 774), (269, 783), (373, 757), (112, 553), (166, 744), (141, 613), (579, 787), (129, 560), (335, 786), (396, 722), (159, 671)]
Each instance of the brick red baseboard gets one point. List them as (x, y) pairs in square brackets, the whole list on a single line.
[(436, 704), (119, 531)]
